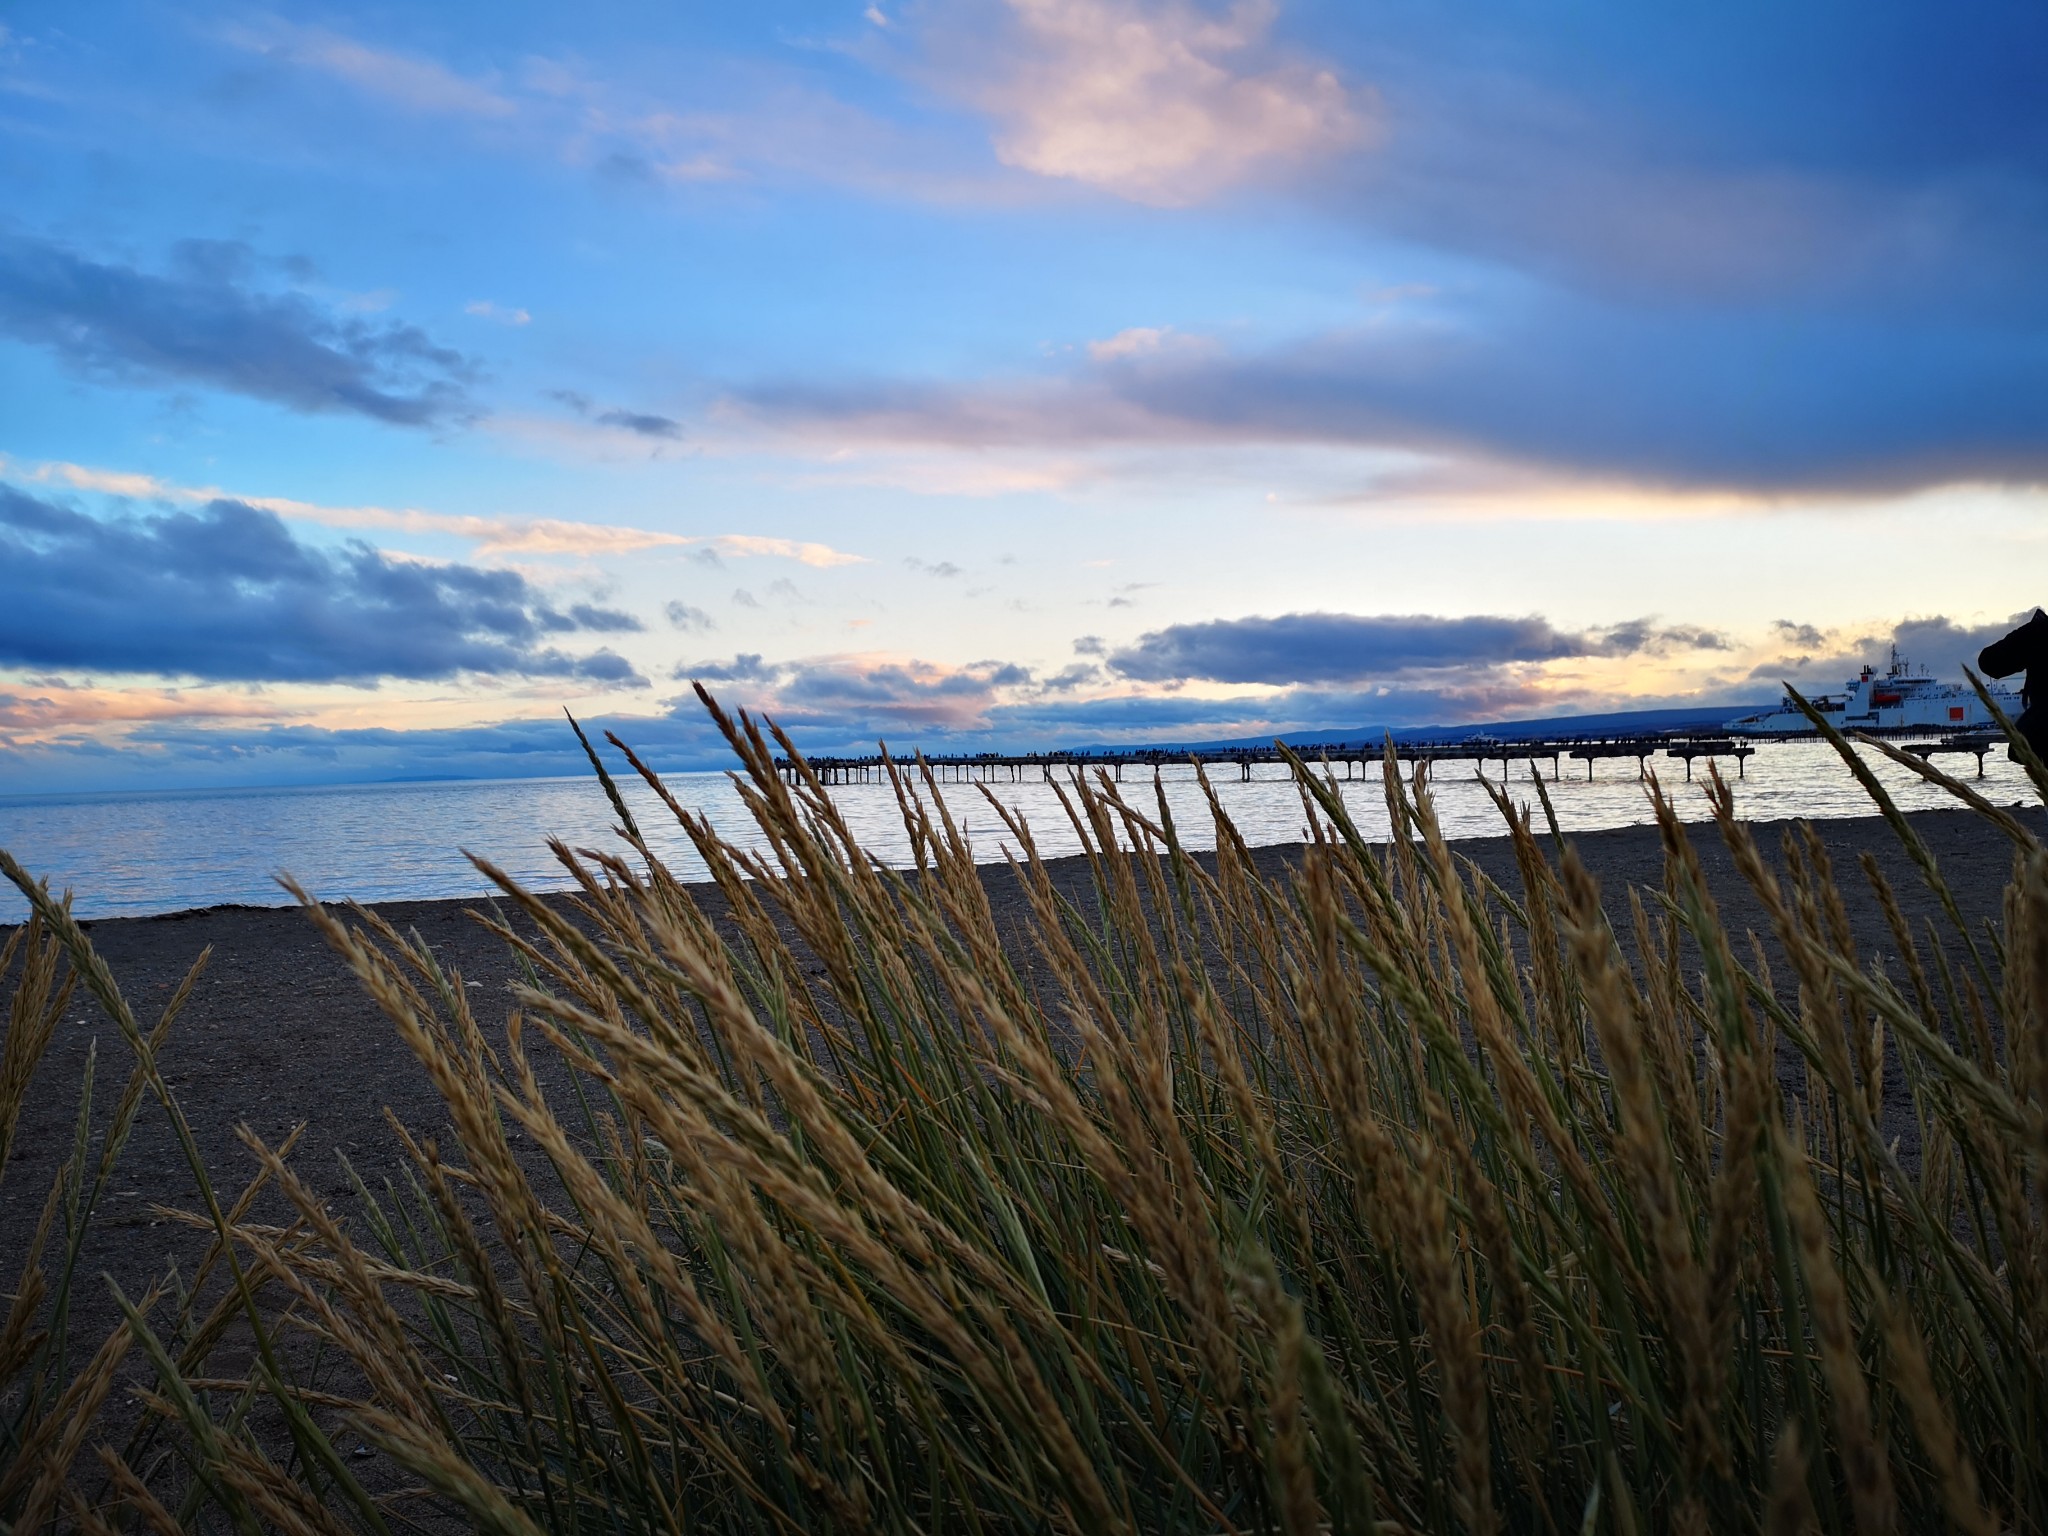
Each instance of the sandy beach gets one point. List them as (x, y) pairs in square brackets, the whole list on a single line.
[(277, 1031)]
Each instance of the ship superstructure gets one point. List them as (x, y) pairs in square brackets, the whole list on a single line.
[(1901, 698)]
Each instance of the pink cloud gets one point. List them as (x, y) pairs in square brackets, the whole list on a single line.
[(1159, 103)]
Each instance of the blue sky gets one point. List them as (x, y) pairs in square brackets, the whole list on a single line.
[(376, 382)]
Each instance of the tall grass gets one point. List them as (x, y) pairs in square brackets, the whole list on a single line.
[(1367, 1197)]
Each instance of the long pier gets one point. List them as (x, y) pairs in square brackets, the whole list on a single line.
[(1354, 759)]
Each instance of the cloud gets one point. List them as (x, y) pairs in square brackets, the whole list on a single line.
[(882, 694), (1163, 103), (641, 422), (111, 482), (759, 125), (1313, 648), (1638, 636), (422, 85), (1798, 634), (846, 702), (591, 617), (1091, 645), (227, 593), (1135, 342), (57, 706), (484, 309), (1145, 341), (744, 598), (205, 323), (945, 570), (746, 667), (858, 698), (1822, 400), (1827, 659), (688, 619), (491, 535), (745, 545), (1645, 149), (726, 120)]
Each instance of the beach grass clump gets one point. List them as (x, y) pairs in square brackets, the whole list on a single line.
[(1366, 1196)]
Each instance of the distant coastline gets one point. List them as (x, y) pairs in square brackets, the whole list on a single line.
[(1606, 722)]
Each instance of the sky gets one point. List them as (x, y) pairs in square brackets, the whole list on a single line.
[(379, 382)]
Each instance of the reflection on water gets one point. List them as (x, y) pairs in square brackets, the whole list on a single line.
[(140, 853)]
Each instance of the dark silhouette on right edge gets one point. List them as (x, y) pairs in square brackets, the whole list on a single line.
[(2025, 647)]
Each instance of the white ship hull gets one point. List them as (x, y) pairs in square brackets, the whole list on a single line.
[(1785, 720), (1896, 700)]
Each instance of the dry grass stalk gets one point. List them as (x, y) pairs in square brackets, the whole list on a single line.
[(43, 1461), (1935, 1426), (136, 1495), (36, 1002), (1865, 1466)]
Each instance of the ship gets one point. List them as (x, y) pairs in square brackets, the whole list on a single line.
[(1901, 698)]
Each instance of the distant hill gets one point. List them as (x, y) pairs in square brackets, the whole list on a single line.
[(1624, 722)]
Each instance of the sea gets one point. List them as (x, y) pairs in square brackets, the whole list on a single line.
[(134, 854)]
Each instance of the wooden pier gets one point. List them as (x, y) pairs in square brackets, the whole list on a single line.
[(1355, 759), (1347, 760), (1975, 743)]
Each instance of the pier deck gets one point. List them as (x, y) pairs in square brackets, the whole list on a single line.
[(1353, 759)]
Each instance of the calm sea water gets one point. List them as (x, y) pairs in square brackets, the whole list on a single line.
[(127, 854)]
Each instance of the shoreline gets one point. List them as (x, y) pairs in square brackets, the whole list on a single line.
[(1868, 822)]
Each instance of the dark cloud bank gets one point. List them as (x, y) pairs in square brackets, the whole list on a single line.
[(1321, 648), (226, 593), (1772, 402), (1823, 149), (208, 320)]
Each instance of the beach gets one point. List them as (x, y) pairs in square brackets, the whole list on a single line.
[(278, 1032)]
